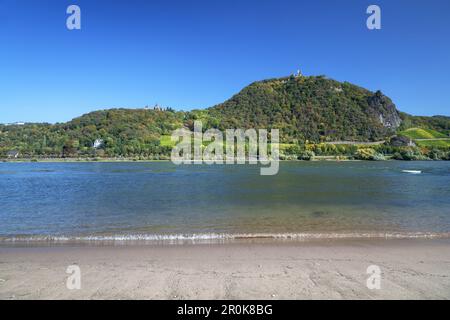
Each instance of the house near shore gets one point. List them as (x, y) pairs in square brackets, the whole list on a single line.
[(13, 154), (401, 141), (97, 143)]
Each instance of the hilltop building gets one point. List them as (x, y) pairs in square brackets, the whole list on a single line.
[(157, 107), (15, 124)]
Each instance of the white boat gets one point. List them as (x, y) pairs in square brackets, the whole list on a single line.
[(412, 171)]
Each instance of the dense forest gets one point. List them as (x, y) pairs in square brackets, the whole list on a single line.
[(311, 108), (314, 115), (123, 132)]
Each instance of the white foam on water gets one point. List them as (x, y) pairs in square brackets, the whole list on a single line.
[(220, 237), (412, 171)]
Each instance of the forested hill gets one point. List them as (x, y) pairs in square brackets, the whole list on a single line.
[(311, 108), (316, 109)]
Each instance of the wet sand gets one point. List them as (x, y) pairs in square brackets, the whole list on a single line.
[(410, 269)]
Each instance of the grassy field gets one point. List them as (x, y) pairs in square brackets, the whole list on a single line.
[(165, 141), (438, 139), (434, 143), (419, 133), (427, 137)]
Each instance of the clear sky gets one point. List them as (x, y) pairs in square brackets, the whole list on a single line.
[(196, 53)]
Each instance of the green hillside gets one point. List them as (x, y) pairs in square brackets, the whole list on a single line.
[(437, 123), (427, 138), (308, 111), (440, 143), (310, 108), (419, 133), (124, 132)]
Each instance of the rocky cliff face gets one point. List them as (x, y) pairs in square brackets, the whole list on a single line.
[(385, 109)]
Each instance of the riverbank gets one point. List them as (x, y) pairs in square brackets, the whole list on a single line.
[(82, 160), (77, 160), (410, 269), (93, 160)]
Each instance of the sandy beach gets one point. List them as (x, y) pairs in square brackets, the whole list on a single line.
[(411, 269)]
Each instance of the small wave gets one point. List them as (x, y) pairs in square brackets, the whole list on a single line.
[(220, 237)]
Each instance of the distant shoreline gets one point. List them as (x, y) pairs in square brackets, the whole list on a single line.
[(124, 160), (71, 160)]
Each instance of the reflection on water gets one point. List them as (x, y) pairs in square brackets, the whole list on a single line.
[(158, 198)]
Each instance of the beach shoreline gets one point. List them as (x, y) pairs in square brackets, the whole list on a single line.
[(258, 269)]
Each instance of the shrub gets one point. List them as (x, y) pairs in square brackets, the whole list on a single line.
[(368, 154), (306, 155)]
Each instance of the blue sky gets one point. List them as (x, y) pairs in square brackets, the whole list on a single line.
[(197, 53)]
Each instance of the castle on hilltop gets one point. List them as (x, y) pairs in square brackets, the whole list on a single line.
[(157, 107)]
